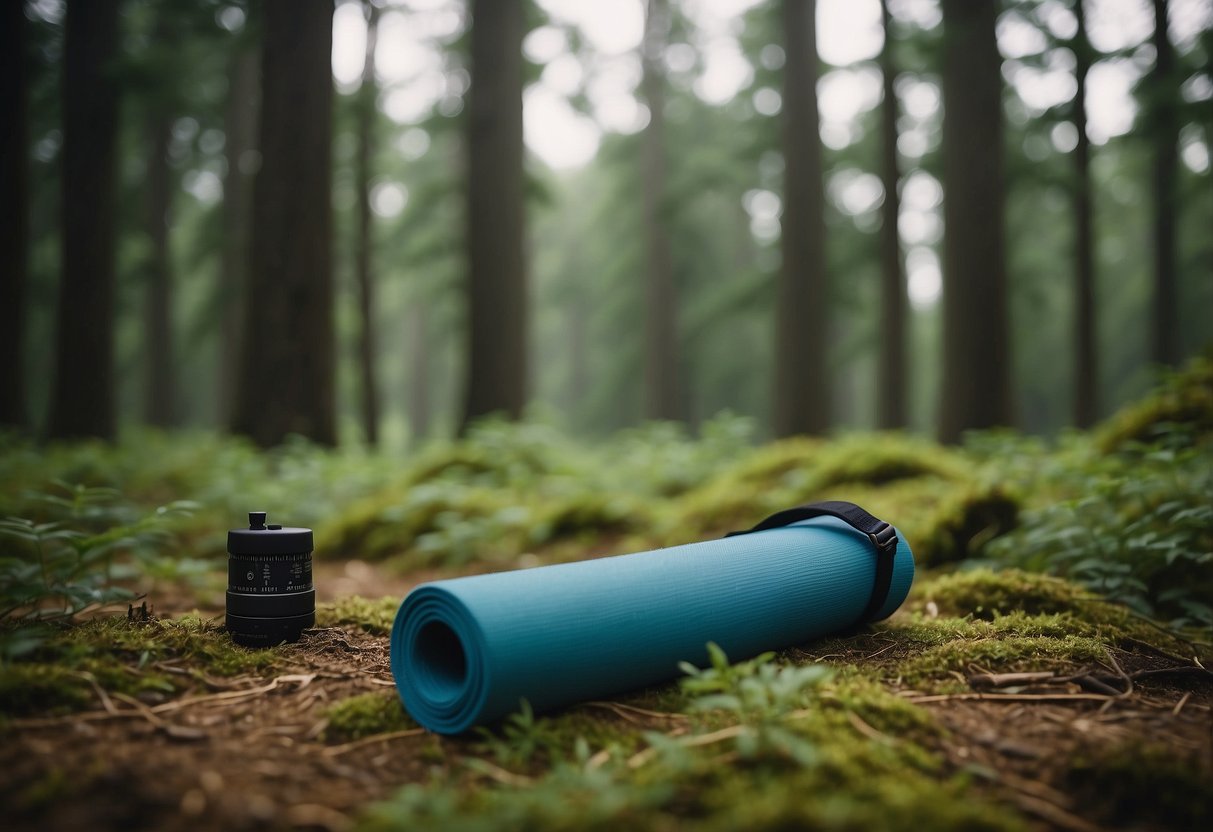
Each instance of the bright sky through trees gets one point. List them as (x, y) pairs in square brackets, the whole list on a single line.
[(409, 62)]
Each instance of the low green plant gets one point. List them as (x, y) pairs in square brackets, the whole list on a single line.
[(55, 569), (1136, 529), (758, 694)]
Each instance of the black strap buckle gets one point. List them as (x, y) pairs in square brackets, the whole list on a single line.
[(882, 535), (884, 538)]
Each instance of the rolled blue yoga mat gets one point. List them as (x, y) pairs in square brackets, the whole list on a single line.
[(465, 651)]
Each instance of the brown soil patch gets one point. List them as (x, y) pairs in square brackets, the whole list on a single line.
[(249, 753)]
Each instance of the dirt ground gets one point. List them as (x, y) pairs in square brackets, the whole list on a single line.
[(251, 752)]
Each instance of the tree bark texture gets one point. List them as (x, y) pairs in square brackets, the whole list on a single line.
[(366, 112), (976, 338), (661, 383), (892, 364), (286, 380), (160, 395), (802, 390), (1086, 369), (497, 281), (240, 148), (14, 196), (1164, 90), (82, 393)]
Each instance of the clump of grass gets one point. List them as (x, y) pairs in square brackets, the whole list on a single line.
[(366, 714)]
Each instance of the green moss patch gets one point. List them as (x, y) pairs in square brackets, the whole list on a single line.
[(984, 593), (808, 767), (993, 595), (121, 656), (1181, 407), (370, 616), (366, 714)]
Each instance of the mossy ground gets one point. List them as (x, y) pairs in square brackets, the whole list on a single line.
[(996, 699), (878, 743)]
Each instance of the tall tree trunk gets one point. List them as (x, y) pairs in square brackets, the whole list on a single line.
[(1164, 89), (497, 283), (240, 147), (1086, 370), (419, 376), (82, 394), (891, 370), (366, 110), (14, 196), (802, 389), (159, 404), (578, 322), (976, 338), (661, 383), (286, 380)]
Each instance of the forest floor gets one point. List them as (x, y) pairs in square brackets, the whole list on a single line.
[(1026, 683), (1121, 737)]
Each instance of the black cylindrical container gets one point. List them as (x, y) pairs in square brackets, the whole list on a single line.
[(270, 598)]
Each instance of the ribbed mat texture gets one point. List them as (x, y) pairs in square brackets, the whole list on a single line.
[(465, 651)]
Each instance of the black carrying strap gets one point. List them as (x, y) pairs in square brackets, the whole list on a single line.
[(882, 535)]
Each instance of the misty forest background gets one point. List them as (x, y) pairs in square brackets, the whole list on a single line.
[(202, 230), (705, 260)]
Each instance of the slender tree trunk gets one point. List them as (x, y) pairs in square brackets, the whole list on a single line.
[(286, 380), (976, 338), (802, 390), (578, 320), (891, 370), (497, 282), (366, 110), (14, 196), (661, 382), (1086, 370), (82, 394), (240, 131), (159, 404), (1164, 89), (419, 377)]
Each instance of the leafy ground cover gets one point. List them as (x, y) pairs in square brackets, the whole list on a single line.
[(1048, 670)]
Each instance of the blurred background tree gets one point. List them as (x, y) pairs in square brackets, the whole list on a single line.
[(375, 221)]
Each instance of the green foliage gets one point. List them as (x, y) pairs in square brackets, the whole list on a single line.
[(523, 740), (1136, 529), (758, 694), (56, 569)]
